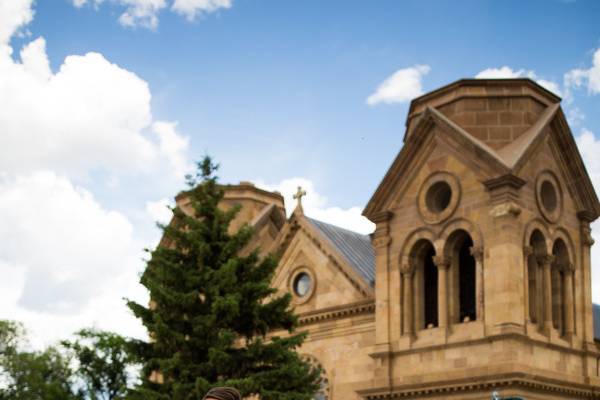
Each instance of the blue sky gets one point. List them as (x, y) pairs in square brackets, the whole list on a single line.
[(289, 79), (119, 97)]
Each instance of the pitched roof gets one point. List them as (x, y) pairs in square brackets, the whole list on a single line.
[(355, 247), (506, 160)]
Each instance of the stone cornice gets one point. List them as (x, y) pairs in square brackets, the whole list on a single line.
[(483, 383), (337, 312), (509, 180)]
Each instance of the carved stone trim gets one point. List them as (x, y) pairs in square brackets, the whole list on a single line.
[(337, 312), (509, 180), (382, 216), (527, 251), (381, 242), (441, 262), (506, 209), (518, 380), (545, 259)]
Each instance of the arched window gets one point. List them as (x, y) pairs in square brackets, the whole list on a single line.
[(560, 252), (426, 284), (534, 276), (462, 285)]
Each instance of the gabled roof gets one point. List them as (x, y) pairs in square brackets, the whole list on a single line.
[(355, 247), (506, 160)]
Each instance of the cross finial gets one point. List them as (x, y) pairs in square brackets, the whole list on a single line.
[(298, 196)]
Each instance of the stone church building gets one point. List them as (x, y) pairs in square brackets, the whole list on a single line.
[(478, 275)]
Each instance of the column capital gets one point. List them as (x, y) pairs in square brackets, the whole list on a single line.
[(587, 239), (527, 251), (381, 241), (407, 267), (441, 262), (476, 252), (545, 259), (568, 267)]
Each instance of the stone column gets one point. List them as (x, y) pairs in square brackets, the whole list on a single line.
[(442, 264), (586, 279), (477, 253), (407, 278), (546, 264), (568, 271), (382, 289), (527, 252)]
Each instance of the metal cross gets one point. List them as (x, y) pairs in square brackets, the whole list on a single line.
[(299, 194)]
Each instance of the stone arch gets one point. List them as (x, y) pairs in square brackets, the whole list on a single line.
[(530, 229), (561, 233), (464, 225), (461, 284), (408, 246), (419, 281)]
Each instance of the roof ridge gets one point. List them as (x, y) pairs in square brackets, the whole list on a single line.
[(366, 235)]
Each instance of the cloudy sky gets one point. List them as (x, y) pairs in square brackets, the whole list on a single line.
[(106, 104)]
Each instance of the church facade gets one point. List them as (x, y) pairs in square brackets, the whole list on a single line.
[(477, 277)]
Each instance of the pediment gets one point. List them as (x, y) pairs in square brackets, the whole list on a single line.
[(433, 126), (433, 129), (303, 249)]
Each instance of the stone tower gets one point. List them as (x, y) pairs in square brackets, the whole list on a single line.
[(482, 250)]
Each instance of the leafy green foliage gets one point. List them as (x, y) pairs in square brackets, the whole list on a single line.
[(104, 364), (32, 375), (212, 308)]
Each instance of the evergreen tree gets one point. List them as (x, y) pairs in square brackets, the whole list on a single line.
[(212, 308)]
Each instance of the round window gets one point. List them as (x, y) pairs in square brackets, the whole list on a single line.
[(438, 196), (302, 284), (549, 196)]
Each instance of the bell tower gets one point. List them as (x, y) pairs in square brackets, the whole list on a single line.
[(482, 245)]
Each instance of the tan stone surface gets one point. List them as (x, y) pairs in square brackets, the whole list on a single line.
[(373, 342)]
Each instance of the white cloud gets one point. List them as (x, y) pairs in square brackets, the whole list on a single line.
[(14, 14), (589, 147), (159, 210), (145, 13), (508, 72), (173, 146), (192, 8), (90, 114), (64, 257), (141, 12), (315, 205), (575, 117), (403, 85), (589, 77)]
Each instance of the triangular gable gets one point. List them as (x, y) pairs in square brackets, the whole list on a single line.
[(507, 160), (417, 143), (300, 224)]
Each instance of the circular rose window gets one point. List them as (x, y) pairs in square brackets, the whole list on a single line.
[(548, 196), (438, 197), (302, 284)]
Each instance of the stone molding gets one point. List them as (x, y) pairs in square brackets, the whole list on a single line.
[(508, 380), (441, 262), (337, 312)]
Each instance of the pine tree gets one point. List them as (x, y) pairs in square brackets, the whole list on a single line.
[(212, 309)]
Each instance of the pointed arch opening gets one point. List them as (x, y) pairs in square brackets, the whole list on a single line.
[(462, 288)]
